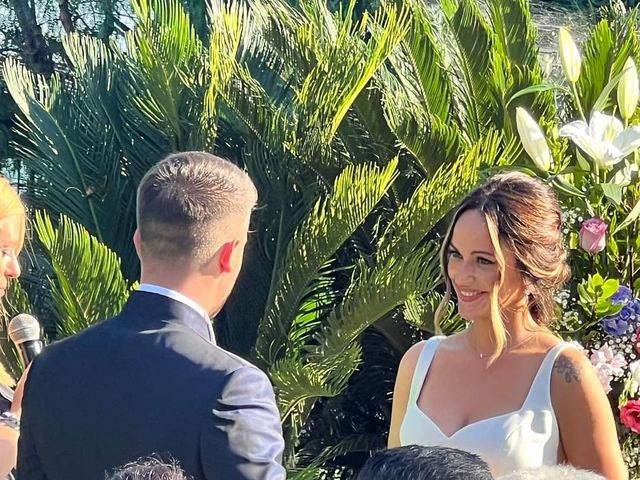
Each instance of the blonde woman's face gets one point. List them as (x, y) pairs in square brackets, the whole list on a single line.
[(10, 241), (474, 272)]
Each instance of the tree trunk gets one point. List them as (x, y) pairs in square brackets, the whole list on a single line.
[(65, 16), (36, 54)]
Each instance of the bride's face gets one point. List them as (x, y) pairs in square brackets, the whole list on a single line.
[(474, 271)]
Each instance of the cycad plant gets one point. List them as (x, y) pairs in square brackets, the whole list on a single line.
[(361, 135)]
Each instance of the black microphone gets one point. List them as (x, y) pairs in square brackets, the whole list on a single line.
[(24, 332)]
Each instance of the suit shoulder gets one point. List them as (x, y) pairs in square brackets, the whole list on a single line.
[(231, 361), (69, 345)]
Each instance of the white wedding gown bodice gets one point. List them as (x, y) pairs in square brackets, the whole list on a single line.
[(526, 438)]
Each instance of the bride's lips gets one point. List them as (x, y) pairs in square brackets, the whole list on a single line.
[(468, 295)]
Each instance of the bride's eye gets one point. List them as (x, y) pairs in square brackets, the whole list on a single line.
[(485, 261)]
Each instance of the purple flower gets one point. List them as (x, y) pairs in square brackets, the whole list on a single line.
[(635, 306), (615, 325), (623, 296), (627, 314)]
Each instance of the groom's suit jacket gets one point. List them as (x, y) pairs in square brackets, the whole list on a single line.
[(144, 383)]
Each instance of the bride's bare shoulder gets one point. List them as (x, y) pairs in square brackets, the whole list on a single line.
[(410, 358)]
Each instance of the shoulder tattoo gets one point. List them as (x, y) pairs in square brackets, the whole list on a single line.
[(568, 369)]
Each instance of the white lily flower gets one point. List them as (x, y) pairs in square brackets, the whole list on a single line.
[(604, 139), (628, 89), (569, 55), (624, 176), (533, 139)]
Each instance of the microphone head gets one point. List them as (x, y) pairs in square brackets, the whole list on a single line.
[(23, 328)]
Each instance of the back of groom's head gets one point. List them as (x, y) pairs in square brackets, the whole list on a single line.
[(187, 204), (416, 462), (193, 220)]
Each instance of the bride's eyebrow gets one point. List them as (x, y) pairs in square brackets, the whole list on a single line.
[(474, 252), (482, 252)]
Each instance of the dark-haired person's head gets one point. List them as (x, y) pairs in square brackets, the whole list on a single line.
[(416, 462), (150, 468), (511, 226), (193, 216)]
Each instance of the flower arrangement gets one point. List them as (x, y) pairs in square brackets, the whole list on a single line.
[(593, 164)]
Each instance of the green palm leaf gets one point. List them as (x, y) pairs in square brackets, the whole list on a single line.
[(474, 40), (88, 284), (515, 32), (374, 294), (436, 197), (297, 381), (345, 67), (356, 191), (605, 52)]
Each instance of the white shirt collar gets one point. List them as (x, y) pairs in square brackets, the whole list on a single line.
[(179, 297)]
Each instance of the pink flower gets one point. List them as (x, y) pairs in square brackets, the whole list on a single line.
[(608, 364), (605, 377), (593, 235), (630, 415)]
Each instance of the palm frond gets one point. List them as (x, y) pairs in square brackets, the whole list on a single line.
[(429, 71), (363, 443), (88, 284), (515, 32), (374, 294), (474, 40), (344, 69), (356, 191), (297, 381), (436, 197), (605, 52)]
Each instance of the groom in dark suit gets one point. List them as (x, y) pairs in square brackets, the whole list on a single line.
[(152, 380)]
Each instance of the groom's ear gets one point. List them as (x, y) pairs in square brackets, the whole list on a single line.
[(226, 258), (136, 242)]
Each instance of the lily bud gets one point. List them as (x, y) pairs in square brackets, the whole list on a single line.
[(569, 56), (628, 89), (533, 139)]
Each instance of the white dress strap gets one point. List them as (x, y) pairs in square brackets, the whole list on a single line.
[(540, 391), (422, 366)]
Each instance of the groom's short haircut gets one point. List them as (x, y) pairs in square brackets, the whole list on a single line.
[(414, 462), (185, 204)]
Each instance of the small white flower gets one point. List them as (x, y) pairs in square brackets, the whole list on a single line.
[(604, 139)]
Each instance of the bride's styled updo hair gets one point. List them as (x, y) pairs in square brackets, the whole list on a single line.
[(522, 214)]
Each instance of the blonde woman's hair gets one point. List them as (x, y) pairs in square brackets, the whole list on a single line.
[(11, 205), (523, 214)]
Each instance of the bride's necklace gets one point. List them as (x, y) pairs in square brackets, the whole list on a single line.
[(508, 349)]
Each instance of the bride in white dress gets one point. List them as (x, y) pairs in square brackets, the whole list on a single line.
[(506, 388)]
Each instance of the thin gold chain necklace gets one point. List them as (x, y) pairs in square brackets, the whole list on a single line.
[(508, 349)]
